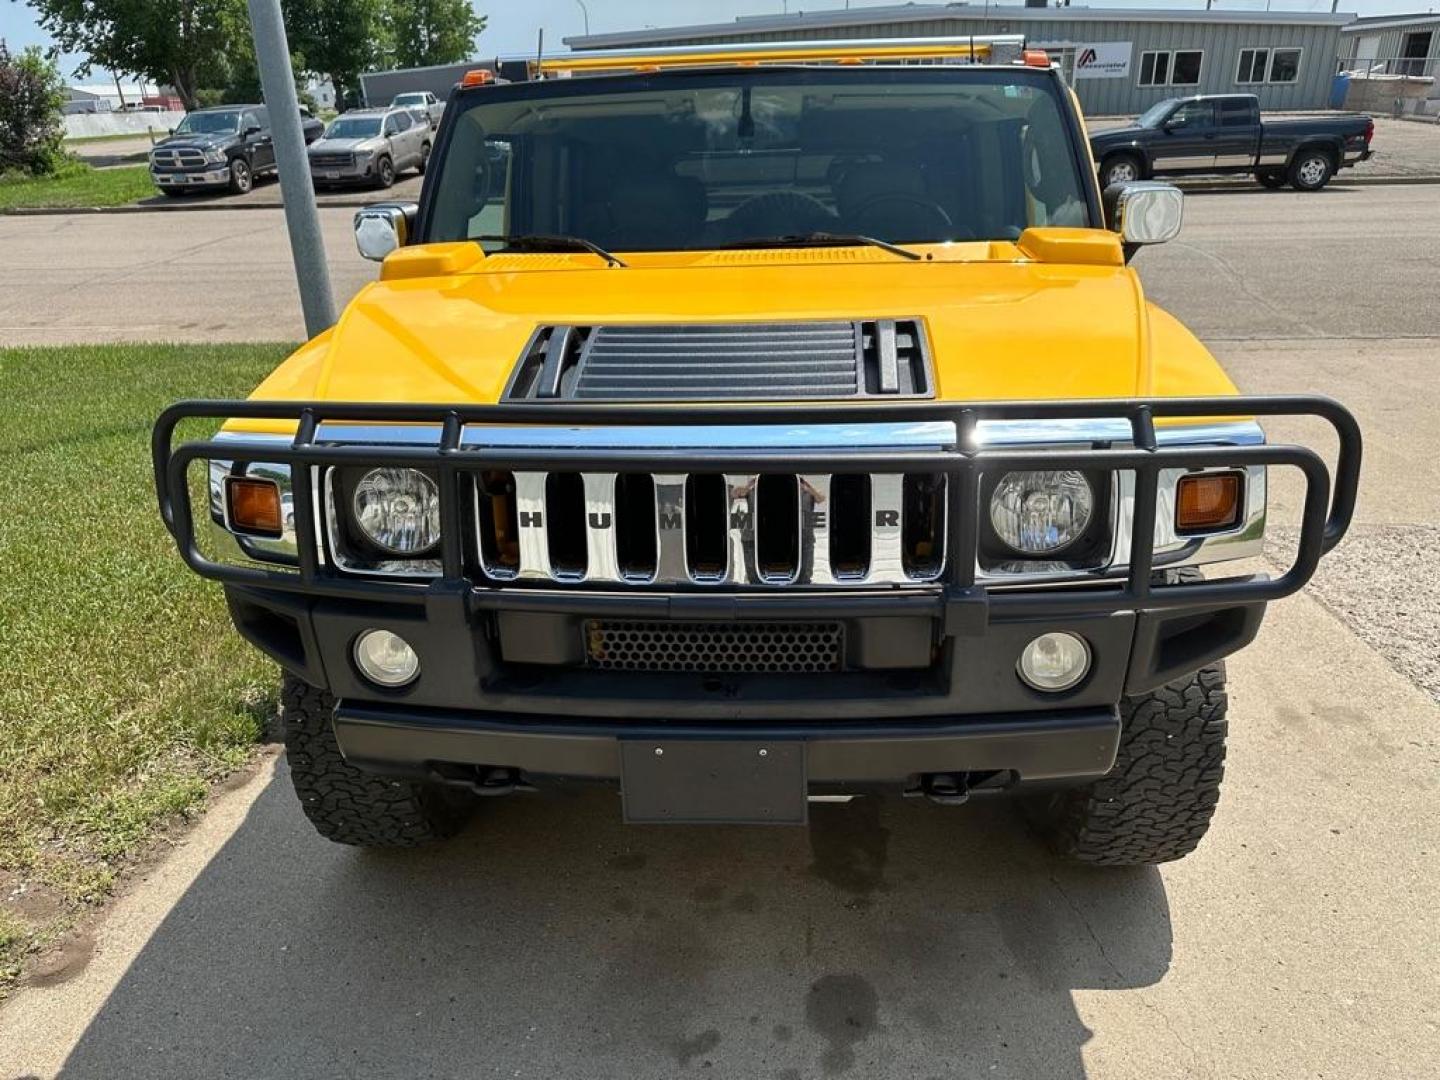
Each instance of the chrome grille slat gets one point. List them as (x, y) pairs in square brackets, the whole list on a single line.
[(530, 512), (741, 512), (814, 566), (887, 511), (671, 562), (603, 558)]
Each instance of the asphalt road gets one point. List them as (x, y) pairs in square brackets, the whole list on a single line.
[(1248, 264), (889, 939)]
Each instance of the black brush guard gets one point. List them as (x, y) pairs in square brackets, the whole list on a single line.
[(956, 599)]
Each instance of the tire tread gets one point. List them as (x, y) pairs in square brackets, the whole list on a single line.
[(346, 804)]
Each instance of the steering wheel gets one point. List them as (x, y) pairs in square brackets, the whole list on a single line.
[(900, 214)]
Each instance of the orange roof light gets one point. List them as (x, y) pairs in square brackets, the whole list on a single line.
[(477, 77), (254, 505), (1036, 58)]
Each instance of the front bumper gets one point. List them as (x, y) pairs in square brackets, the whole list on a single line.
[(932, 683), (359, 172), (210, 176)]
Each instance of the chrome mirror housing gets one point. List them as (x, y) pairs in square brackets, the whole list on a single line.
[(382, 228), (1144, 212)]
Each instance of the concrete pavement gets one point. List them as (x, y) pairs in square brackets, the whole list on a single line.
[(889, 939)]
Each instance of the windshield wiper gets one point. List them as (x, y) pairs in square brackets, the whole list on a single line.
[(544, 242), (826, 239)]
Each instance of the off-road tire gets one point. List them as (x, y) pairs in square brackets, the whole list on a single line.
[(1271, 178), (1311, 170), (1110, 164), (350, 806), (1156, 803), (241, 178)]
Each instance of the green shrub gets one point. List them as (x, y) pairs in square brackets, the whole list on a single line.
[(31, 96)]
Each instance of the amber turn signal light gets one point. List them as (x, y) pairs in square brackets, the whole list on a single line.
[(254, 505), (1205, 502), (477, 77), (1036, 58)]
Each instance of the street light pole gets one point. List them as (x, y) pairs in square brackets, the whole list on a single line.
[(586, 12), (307, 247)]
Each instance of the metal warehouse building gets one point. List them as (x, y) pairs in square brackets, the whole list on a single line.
[(1119, 61)]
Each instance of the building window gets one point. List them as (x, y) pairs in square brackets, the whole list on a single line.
[(1268, 66), (1181, 68)]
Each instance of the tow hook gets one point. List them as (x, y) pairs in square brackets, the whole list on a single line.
[(485, 780), (947, 789)]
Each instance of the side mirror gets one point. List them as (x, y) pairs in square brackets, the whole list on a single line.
[(1144, 212), (384, 227), (249, 131)]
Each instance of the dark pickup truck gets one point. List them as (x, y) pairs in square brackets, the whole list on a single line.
[(223, 148), (1224, 133)]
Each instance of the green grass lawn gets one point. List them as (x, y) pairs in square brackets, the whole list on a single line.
[(123, 689), (77, 184)]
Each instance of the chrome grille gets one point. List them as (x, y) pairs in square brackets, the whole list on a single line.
[(762, 647), (711, 529), (185, 158)]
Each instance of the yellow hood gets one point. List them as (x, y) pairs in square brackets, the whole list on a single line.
[(998, 329)]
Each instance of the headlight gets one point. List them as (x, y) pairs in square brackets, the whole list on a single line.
[(398, 510), (1038, 513), (363, 155), (215, 157)]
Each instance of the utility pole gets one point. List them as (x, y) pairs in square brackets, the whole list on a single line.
[(307, 247)]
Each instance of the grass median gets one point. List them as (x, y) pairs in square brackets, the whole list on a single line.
[(123, 690), (76, 185)]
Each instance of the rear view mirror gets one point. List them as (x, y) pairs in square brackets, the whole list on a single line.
[(382, 228), (1144, 212)]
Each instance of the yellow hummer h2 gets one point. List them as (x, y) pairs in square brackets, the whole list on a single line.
[(746, 425)]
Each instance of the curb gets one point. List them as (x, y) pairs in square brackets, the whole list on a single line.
[(168, 208), (1199, 187)]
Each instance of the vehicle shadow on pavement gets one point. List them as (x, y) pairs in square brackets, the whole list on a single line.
[(891, 938)]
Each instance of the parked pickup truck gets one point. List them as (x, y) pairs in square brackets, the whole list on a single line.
[(787, 428), (422, 103), (1224, 133), (220, 148)]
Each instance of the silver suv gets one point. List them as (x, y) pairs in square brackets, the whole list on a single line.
[(370, 146)]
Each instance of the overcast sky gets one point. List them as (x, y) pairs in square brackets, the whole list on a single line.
[(515, 23)]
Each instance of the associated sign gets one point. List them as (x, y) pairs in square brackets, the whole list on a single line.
[(1103, 60)]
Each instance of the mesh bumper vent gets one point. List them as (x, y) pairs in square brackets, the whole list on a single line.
[(761, 647)]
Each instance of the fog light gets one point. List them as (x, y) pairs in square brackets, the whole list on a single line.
[(1054, 661), (386, 658)]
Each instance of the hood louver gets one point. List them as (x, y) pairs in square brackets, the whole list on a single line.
[(874, 358)]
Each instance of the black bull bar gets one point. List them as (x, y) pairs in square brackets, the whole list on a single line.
[(956, 598)]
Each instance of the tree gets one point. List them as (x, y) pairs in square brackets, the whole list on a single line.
[(31, 95), (338, 39), (428, 32), (171, 41)]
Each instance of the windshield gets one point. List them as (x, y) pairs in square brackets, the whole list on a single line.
[(697, 160), (354, 127), (209, 123), (409, 99), (1152, 116)]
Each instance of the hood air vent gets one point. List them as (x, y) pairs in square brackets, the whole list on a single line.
[(874, 358)]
